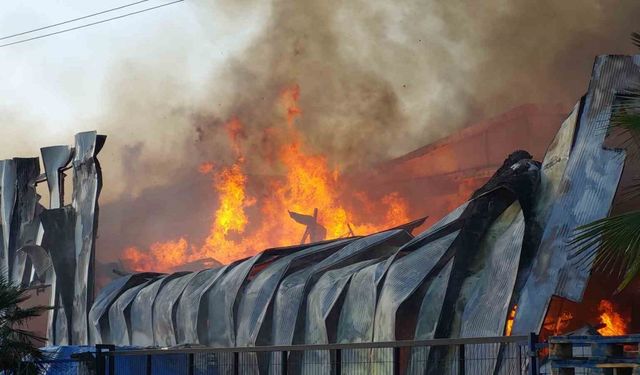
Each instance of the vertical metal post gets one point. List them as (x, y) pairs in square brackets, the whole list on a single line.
[(100, 360), (190, 364), (148, 364), (338, 361), (396, 361), (533, 354), (283, 362), (461, 360), (236, 363)]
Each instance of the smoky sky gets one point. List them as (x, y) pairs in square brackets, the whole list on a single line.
[(377, 79)]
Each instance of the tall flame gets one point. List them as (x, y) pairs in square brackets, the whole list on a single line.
[(510, 318), (308, 183), (614, 323)]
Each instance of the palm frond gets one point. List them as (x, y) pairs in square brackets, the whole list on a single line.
[(625, 116), (613, 243), (635, 37)]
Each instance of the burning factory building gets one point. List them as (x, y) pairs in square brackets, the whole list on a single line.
[(493, 258)]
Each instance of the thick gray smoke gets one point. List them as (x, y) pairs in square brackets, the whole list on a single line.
[(377, 79)]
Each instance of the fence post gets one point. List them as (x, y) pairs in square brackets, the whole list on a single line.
[(461, 360), (148, 364), (283, 362), (236, 363), (338, 361), (533, 354), (396, 361), (190, 364)]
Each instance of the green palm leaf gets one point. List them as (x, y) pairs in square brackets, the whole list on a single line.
[(16, 342), (613, 243), (635, 37)]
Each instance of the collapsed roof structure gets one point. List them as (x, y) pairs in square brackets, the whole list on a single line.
[(506, 246)]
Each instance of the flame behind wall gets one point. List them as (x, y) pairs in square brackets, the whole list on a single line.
[(308, 183)]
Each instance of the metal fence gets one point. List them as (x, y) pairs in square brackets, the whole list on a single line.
[(469, 356)]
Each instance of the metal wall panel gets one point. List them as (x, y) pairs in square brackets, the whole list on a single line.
[(7, 204), (120, 316), (585, 194), (258, 295), (87, 183), (142, 333), (191, 314), (164, 311)]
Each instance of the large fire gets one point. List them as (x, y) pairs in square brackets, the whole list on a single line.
[(307, 183), (614, 323)]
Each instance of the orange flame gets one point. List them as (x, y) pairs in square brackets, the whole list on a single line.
[(614, 323), (510, 318), (308, 182)]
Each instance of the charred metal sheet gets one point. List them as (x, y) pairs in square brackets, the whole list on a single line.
[(164, 311), (487, 292), (221, 301), (99, 330), (87, 183), (586, 192), (120, 316), (359, 308), (428, 317), (59, 240), (142, 310), (258, 296), (55, 158), (323, 309), (7, 204), (357, 317), (41, 261), (191, 316), (402, 280), (290, 303), (24, 223)]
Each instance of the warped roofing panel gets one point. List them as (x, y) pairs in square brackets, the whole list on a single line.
[(402, 279), (258, 295), (164, 310), (585, 194), (189, 316), (142, 311), (120, 318), (288, 313)]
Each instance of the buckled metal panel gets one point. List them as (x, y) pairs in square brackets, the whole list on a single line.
[(142, 311), (585, 194), (289, 305), (59, 240), (258, 295), (7, 204), (191, 314), (120, 316), (87, 183), (164, 311), (324, 303)]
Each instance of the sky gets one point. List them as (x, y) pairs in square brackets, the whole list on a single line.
[(60, 85)]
